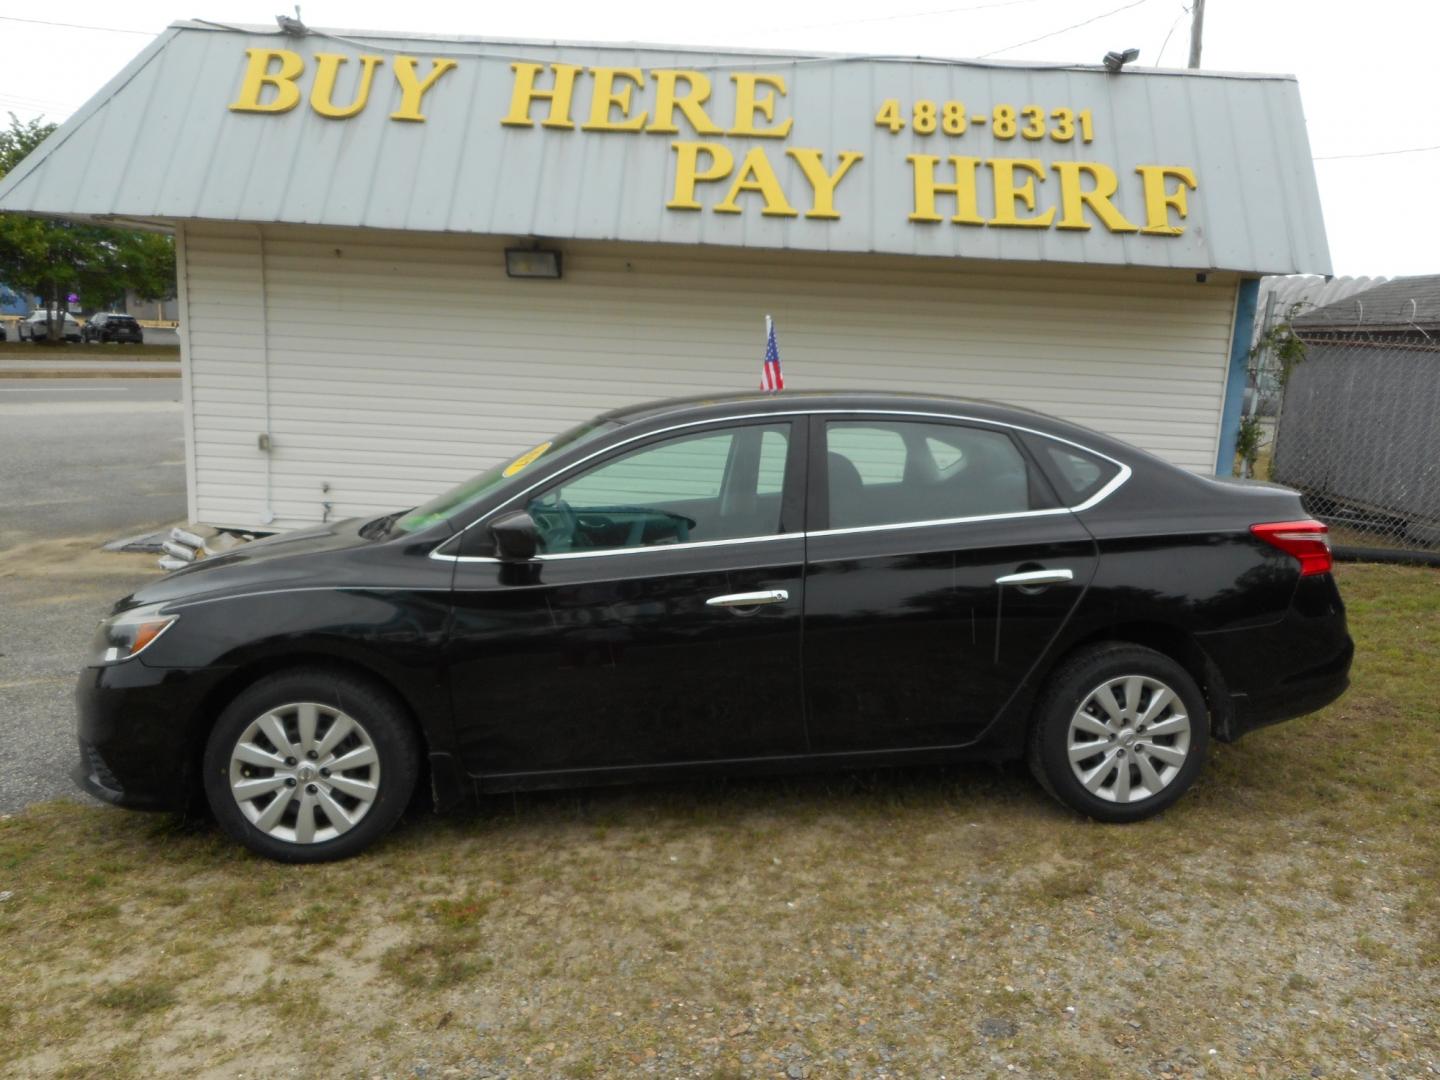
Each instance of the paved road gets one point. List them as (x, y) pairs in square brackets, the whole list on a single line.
[(81, 464), (121, 392), (90, 456)]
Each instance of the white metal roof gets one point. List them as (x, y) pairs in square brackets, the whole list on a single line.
[(160, 143)]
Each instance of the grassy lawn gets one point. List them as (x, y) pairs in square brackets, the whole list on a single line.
[(1282, 921), (71, 350)]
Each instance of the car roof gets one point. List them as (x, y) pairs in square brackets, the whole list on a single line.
[(682, 410), (718, 406)]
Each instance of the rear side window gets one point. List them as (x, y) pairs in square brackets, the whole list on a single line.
[(1081, 474), (893, 472)]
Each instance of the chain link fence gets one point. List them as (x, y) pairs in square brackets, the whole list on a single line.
[(1351, 419)]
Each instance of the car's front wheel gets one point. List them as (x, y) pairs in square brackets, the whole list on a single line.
[(310, 765), (1120, 732)]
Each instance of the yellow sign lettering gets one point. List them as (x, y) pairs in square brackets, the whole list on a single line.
[(688, 172), (258, 75), (1087, 192), (1007, 194), (747, 105), (327, 70), (1158, 201), (526, 91), (606, 98), (1074, 198), (691, 103), (413, 90), (967, 206), (757, 175), (822, 183)]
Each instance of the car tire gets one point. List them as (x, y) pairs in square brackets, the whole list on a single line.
[(1142, 713), (247, 770)]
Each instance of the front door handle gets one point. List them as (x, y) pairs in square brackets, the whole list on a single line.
[(749, 599), (1036, 577)]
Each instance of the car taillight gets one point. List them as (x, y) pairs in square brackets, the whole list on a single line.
[(1308, 541)]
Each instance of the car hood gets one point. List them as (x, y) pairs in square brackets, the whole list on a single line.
[(313, 556)]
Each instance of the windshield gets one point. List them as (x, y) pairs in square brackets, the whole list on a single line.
[(464, 495)]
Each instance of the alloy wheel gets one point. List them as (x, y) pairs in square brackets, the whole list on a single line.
[(305, 772), (1129, 738)]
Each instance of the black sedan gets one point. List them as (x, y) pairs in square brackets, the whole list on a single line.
[(752, 583), (113, 326)]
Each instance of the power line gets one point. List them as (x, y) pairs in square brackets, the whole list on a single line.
[(1064, 29), (1166, 43), (1377, 153), (77, 26)]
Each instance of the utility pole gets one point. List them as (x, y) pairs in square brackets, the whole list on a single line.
[(1197, 30)]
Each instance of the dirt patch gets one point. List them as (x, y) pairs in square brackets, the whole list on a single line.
[(79, 557)]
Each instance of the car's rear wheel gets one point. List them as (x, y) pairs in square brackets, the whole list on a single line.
[(310, 765), (1120, 733)]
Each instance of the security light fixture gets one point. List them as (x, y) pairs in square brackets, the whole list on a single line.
[(294, 27), (1114, 61), (532, 263)]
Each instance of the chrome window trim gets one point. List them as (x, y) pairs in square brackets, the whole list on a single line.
[(1100, 496), (670, 547), (629, 550)]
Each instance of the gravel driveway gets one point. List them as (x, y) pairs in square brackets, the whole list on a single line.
[(80, 469)]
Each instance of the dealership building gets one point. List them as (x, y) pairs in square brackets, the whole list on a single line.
[(402, 259)]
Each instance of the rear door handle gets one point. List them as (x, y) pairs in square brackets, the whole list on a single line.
[(1036, 577), (749, 599)]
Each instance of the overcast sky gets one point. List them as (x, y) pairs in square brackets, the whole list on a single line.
[(1367, 71)]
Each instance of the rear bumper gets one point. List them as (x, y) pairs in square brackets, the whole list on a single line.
[(1305, 693), (1287, 669)]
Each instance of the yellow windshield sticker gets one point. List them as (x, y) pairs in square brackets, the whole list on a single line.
[(525, 459)]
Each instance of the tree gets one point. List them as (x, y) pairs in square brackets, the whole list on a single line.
[(54, 257)]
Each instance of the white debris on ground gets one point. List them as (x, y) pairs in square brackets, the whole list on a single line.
[(187, 545)]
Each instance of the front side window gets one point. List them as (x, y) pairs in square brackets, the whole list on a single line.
[(882, 472), (457, 502), (713, 485)]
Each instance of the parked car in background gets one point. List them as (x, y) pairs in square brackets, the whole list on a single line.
[(113, 326), (3, 335), (34, 327), (718, 585)]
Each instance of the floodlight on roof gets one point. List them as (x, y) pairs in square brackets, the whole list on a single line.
[(1114, 61)]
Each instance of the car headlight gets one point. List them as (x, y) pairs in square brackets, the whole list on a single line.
[(123, 636)]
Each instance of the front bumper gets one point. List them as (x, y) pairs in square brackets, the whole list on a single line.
[(137, 733)]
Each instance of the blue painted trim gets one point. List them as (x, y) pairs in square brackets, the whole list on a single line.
[(1245, 301)]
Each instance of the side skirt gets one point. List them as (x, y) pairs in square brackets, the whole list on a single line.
[(489, 783)]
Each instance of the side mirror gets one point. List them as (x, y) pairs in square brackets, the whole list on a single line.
[(517, 538)]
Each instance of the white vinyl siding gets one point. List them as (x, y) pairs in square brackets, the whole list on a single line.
[(397, 364)]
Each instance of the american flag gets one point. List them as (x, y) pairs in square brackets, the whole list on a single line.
[(771, 379)]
